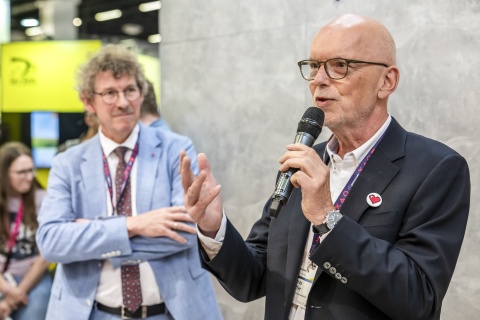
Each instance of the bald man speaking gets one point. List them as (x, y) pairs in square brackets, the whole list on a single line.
[(374, 226)]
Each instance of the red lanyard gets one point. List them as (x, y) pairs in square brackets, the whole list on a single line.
[(16, 228), (126, 174)]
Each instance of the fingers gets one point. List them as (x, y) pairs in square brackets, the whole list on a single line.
[(166, 222), (183, 227), (203, 163), (180, 217), (196, 199), (175, 228), (175, 209), (192, 194), (185, 171), (198, 210), (301, 157)]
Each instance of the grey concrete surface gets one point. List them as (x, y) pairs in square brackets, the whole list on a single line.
[(231, 83)]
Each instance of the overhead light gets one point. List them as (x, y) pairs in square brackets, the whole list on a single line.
[(132, 29), (108, 15), (35, 31), (29, 23), (154, 38), (77, 22), (150, 6)]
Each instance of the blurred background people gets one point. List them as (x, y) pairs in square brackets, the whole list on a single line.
[(25, 283), (91, 121), (149, 113)]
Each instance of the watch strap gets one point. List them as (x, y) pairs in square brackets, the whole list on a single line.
[(321, 229)]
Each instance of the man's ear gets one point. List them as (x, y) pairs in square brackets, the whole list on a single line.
[(87, 104), (390, 82)]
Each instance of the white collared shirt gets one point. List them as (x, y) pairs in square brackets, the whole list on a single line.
[(340, 172), (109, 290)]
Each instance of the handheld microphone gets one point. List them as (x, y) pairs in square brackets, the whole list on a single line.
[(308, 130)]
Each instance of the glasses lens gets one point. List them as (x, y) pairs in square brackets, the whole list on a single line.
[(309, 69), (132, 94), (337, 68), (25, 173), (109, 96)]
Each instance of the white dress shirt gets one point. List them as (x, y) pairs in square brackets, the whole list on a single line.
[(109, 291)]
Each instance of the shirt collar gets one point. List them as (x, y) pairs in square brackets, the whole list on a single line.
[(109, 145), (360, 152)]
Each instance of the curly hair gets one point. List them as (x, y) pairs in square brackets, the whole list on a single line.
[(116, 59)]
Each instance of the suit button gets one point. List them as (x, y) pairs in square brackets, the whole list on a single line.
[(333, 270), (89, 303), (327, 265), (338, 276), (343, 280)]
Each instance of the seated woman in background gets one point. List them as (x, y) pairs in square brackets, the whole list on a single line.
[(25, 282)]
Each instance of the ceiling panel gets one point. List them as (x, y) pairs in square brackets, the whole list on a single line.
[(112, 30)]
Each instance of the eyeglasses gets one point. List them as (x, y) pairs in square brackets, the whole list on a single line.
[(110, 96), (335, 68), (24, 173)]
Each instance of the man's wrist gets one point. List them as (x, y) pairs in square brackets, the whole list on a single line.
[(331, 219), (210, 234)]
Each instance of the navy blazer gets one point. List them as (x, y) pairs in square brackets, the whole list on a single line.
[(394, 261)]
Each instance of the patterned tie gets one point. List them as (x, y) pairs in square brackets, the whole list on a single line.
[(131, 289)]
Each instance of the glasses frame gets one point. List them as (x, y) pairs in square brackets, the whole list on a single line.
[(24, 173), (348, 61), (117, 93)]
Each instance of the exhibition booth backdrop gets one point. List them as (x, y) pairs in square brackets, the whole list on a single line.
[(38, 101)]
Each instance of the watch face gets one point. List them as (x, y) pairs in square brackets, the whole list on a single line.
[(332, 219)]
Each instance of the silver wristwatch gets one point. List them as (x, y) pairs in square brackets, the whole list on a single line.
[(331, 220)]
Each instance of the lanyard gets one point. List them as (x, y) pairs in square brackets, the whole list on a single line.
[(13, 236), (346, 189), (126, 174), (16, 228)]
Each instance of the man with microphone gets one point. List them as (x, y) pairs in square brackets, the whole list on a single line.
[(374, 226)]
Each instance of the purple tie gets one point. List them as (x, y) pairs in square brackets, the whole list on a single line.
[(131, 289)]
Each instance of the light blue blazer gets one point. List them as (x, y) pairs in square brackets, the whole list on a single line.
[(76, 189)]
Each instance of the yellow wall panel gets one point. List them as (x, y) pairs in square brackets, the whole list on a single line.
[(40, 76)]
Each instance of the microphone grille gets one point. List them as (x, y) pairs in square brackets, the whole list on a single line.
[(312, 122)]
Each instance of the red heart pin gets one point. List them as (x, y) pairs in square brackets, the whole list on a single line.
[(374, 199)]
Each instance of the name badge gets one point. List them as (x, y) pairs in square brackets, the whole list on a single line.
[(304, 284)]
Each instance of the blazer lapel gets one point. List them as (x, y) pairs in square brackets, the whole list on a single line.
[(93, 177), (148, 158), (378, 173)]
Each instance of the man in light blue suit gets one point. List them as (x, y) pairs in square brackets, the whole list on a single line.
[(115, 222)]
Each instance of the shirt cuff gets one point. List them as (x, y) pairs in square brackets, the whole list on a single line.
[(212, 246)]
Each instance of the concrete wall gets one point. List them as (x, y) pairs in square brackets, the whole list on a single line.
[(231, 83)]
